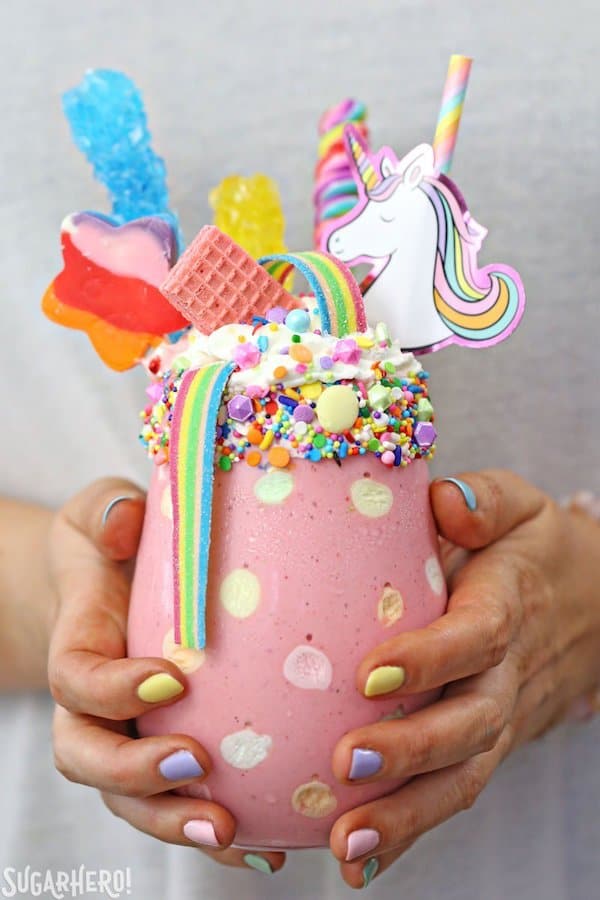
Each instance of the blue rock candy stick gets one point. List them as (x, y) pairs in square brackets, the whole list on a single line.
[(109, 125)]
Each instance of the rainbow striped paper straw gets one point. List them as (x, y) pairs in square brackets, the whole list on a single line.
[(451, 109)]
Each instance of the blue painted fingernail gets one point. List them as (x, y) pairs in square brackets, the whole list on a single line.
[(364, 763), (370, 870), (466, 490), (179, 765), (259, 863), (110, 506)]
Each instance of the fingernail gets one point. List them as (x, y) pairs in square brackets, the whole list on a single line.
[(179, 765), (370, 871), (361, 841), (201, 831), (364, 763), (383, 680), (159, 687), (110, 506), (466, 490), (259, 863)]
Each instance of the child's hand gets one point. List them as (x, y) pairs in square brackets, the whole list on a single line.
[(93, 541), (519, 642)]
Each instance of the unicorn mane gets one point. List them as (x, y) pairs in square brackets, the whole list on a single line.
[(478, 305)]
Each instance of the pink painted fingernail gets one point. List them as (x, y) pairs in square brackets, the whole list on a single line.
[(361, 841), (201, 831)]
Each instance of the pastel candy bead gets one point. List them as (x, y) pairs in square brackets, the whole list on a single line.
[(298, 320), (337, 408), (424, 410), (379, 396)]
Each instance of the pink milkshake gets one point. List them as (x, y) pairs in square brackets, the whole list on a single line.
[(320, 551), (288, 529)]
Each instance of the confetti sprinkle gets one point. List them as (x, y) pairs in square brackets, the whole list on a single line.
[(188, 659), (362, 396), (308, 668), (371, 498), (314, 799), (240, 593), (390, 607), (245, 749)]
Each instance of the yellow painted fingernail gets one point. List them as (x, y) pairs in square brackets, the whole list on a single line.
[(159, 687), (384, 679)]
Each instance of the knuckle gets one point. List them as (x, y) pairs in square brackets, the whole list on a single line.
[(124, 781), (499, 627), (56, 682), (62, 766), (534, 586), (422, 747), (407, 826), (433, 659), (470, 785), (490, 498), (59, 757), (109, 801), (493, 722)]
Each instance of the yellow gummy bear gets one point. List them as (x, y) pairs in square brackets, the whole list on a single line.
[(249, 211)]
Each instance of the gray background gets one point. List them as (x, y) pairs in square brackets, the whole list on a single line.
[(238, 87)]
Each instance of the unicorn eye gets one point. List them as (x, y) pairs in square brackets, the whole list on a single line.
[(384, 219)]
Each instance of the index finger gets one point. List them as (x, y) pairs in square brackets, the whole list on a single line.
[(87, 671), (484, 614)]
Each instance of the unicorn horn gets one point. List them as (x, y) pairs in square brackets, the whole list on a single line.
[(358, 152)]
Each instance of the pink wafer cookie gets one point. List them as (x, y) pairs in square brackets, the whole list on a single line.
[(215, 283)]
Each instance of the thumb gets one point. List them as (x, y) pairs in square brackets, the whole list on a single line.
[(478, 508), (110, 514)]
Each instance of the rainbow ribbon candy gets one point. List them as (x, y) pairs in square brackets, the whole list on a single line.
[(453, 99), (336, 291), (192, 470)]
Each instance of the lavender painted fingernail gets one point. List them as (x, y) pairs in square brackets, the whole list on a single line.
[(364, 763), (180, 765), (363, 840)]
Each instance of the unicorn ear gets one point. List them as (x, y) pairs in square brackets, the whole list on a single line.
[(387, 167), (416, 165)]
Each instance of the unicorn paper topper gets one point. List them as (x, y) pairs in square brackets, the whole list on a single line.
[(414, 224)]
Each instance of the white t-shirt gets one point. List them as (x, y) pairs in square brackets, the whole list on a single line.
[(238, 88)]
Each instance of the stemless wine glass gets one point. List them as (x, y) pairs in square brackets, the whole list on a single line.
[(310, 567)]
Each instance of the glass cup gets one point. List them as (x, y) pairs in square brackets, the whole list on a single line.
[(311, 566)]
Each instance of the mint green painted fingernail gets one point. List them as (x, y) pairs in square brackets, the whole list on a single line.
[(259, 863), (370, 871), (466, 490)]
